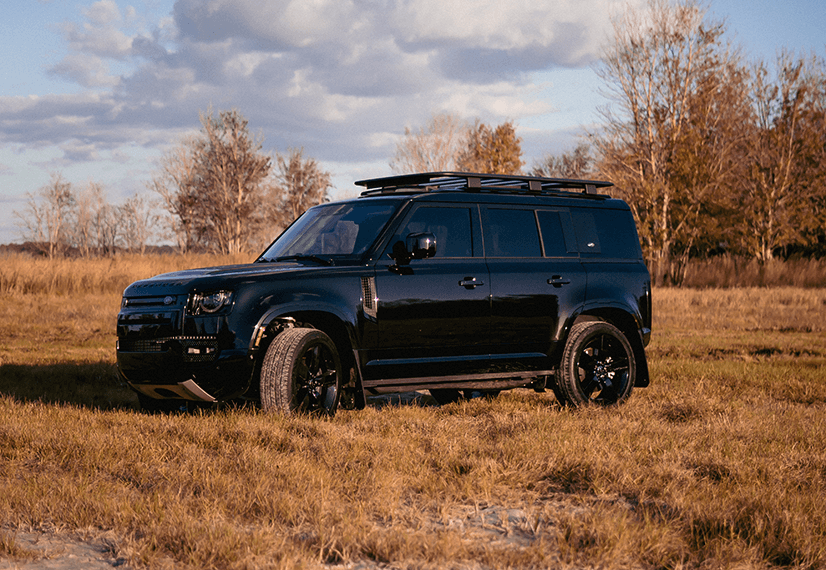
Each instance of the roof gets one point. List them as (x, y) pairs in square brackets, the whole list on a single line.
[(476, 182)]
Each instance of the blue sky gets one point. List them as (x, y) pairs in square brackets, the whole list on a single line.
[(98, 89)]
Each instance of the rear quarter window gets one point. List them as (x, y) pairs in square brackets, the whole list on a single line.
[(606, 233)]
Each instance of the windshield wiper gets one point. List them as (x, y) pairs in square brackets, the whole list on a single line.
[(303, 257)]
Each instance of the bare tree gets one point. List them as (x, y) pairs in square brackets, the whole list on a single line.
[(212, 184), (297, 184), (228, 177), (88, 203), (670, 78), (47, 214), (174, 184), (575, 164), (108, 229), (138, 220), (434, 148), (491, 150)]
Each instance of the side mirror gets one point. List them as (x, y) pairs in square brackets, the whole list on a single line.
[(421, 245)]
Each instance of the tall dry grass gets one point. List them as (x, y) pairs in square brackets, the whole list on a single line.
[(21, 273), (729, 271), (720, 463)]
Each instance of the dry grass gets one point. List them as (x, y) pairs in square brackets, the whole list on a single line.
[(24, 274), (721, 463), (728, 271), (10, 548), (21, 273)]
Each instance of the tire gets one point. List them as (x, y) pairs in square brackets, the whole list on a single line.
[(301, 373), (597, 367)]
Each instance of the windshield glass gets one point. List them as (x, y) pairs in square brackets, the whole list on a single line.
[(332, 231)]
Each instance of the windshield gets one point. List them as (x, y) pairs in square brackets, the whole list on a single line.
[(332, 231)]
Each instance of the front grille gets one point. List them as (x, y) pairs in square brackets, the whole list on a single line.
[(191, 348), (164, 301), (131, 345)]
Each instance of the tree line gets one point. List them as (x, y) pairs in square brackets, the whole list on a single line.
[(216, 191), (713, 154), (58, 217)]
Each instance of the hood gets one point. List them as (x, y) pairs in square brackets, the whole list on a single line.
[(208, 278)]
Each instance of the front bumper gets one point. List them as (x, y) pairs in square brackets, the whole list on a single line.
[(184, 368)]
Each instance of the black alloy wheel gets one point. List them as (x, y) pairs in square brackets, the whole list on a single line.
[(301, 373), (598, 366)]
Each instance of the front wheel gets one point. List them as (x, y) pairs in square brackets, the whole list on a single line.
[(301, 373), (598, 366)]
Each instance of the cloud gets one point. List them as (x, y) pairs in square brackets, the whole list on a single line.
[(85, 70), (338, 77), (103, 13)]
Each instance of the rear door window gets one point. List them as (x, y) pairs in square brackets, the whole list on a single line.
[(511, 232), (556, 241)]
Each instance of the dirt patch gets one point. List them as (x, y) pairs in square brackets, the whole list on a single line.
[(59, 551)]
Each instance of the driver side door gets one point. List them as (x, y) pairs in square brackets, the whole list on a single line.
[(434, 314)]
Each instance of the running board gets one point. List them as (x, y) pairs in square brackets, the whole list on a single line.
[(501, 380)]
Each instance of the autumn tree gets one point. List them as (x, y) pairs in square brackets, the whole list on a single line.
[(669, 139), (434, 148), (212, 184), (785, 154), (297, 184), (577, 163), (491, 150), (46, 219), (228, 180)]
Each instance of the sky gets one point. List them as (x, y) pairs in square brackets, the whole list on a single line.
[(99, 90)]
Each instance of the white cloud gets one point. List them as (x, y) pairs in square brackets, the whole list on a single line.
[(338, 77), (85, 70), (103, 13)]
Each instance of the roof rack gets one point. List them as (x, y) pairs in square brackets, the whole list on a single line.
[(475, 182)]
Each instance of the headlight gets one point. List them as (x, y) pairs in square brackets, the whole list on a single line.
[(207, 303)]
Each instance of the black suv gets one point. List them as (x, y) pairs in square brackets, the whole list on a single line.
[(457, 283)]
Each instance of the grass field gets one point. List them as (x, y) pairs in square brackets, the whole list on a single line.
[(720, 463)]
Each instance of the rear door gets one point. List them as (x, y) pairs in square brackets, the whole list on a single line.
[(536, 281)]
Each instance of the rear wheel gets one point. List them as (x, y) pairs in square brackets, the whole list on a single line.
[(301, 373), (597, 366)]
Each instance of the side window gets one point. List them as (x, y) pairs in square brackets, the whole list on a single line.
[(611, 233), (553, 237), (451, 226), (511, 233), (586, 231)]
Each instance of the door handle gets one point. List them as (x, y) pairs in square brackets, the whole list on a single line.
[(558, 281), (470, 283)]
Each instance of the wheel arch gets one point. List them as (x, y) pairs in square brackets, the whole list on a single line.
[(339, 326), (627, 324)]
